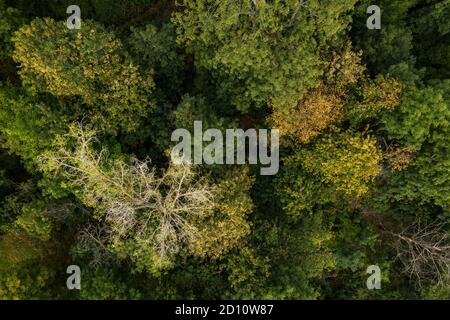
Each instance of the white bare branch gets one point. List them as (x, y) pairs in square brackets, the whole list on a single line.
[(424, 251), (130, 198)]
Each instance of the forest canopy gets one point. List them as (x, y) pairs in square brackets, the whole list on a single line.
[(86, 176)]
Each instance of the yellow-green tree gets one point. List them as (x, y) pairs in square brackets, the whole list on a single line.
[(86, 69)]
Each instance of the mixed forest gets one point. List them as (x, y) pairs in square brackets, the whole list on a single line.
[(86, 179)]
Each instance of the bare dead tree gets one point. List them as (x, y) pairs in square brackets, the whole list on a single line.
[(424, 250), (60, 211), (131, 198), (92, 240)]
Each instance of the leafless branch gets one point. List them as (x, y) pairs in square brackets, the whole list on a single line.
[(424, 251), (132, 199)]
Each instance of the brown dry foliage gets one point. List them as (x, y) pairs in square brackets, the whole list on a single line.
[(399, 157), (309, 117), (323, 105)]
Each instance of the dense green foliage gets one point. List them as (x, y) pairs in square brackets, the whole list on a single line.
[(86, 118)]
